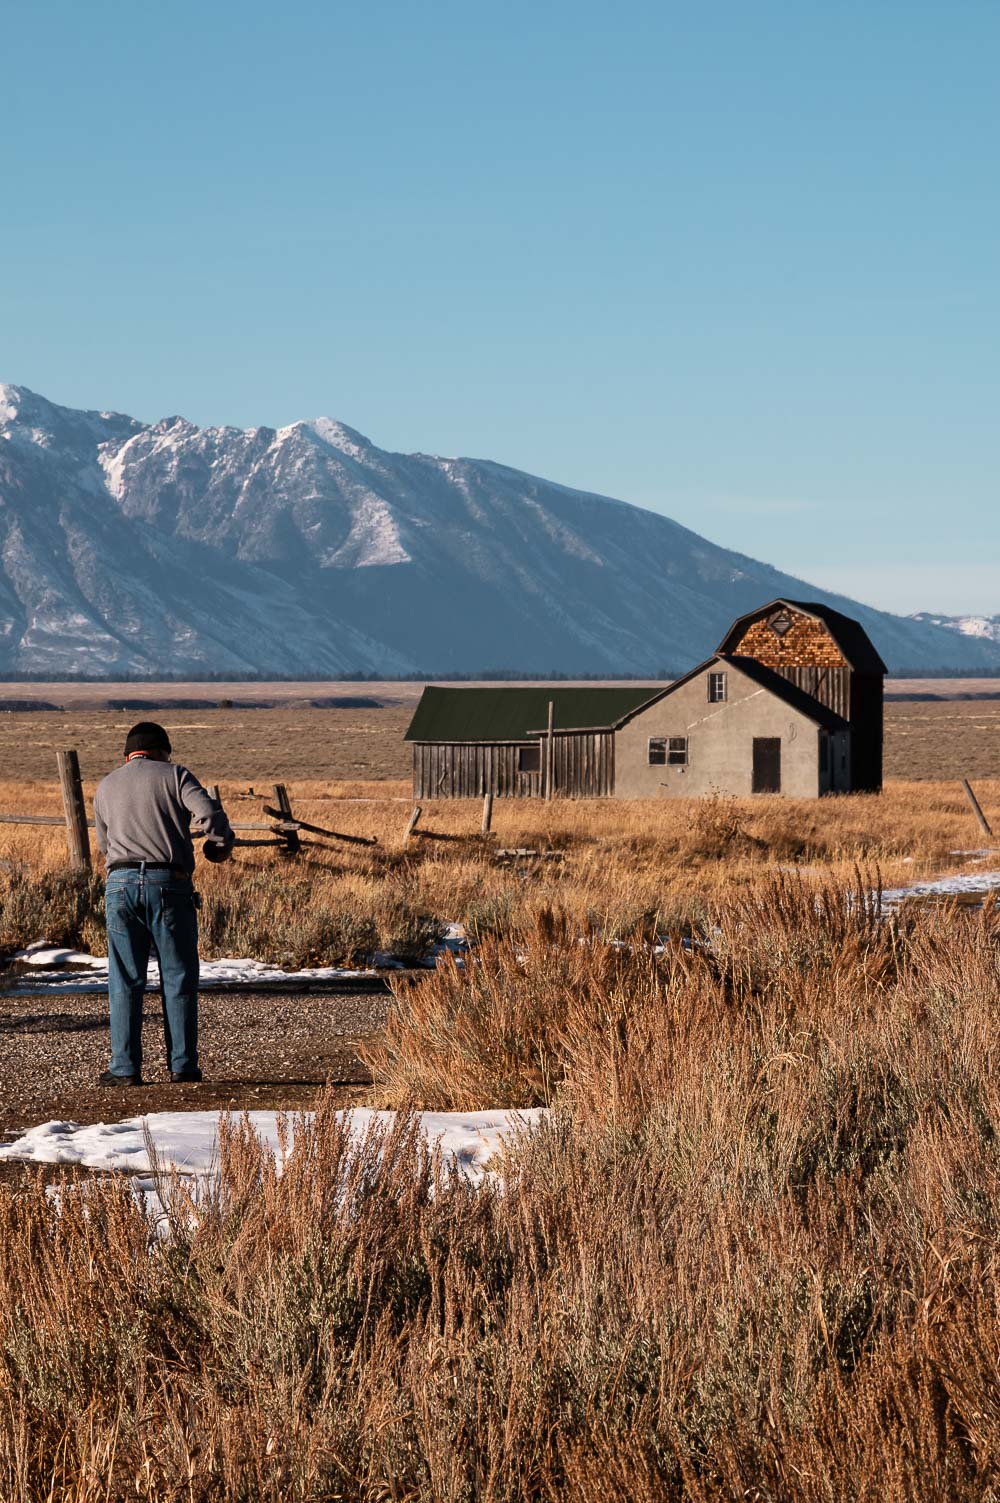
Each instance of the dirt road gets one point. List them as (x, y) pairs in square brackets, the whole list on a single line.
[(260, 1051)]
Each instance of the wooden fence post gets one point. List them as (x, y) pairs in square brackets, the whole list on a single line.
[(549, 757), (414, 818), (284, 805), (77, 834), (487, 813), (976, 809)]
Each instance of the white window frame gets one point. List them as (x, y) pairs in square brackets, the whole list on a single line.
[(660, 743), (677, 751), (717, 688)]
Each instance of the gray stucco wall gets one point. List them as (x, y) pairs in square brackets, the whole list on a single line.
[(720, 742)]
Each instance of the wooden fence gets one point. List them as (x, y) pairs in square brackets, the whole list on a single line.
[(282, 827)]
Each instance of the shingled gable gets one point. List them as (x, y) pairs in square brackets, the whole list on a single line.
[(506, 713), (850, 636)]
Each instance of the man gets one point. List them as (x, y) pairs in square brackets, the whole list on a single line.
[(143, 812)]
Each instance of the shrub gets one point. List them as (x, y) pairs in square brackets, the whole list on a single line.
[(64, 907)]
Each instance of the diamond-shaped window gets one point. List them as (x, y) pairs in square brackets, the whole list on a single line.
[(781, 623)]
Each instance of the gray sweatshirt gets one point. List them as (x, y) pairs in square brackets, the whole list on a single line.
[(143, 812)]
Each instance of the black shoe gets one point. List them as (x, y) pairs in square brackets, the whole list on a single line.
[(114, 1080), (186, 1077)]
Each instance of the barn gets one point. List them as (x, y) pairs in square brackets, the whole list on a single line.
[(791, 703)]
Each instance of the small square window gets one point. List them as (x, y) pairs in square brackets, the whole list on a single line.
[(716, 688), (677, 751), (529, 759), (657, 751)]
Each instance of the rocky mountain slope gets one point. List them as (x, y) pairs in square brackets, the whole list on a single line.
[(987, 627), (129, 547)]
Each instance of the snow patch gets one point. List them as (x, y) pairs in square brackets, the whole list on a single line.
[(373, 539), (188, 1142), (111, 459), (58, 965), (984, 627), (953, 886)]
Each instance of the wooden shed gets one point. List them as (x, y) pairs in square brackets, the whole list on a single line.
[(469, 742)]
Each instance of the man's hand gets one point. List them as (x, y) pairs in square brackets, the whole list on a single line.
[(216, 849)]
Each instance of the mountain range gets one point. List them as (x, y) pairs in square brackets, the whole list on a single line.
[(137, 548)]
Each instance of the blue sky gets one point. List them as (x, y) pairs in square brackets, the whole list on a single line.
[(737, 263)]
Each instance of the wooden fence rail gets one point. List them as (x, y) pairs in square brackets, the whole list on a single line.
[(282, 824)]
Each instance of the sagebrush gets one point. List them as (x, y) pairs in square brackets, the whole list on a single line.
[(753, 1254)]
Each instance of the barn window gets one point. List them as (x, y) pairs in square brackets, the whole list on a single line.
[(781, 623), (716, 688), (668, 751), (529, 758)]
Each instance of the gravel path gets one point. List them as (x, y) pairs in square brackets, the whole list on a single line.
[(258, 1050)]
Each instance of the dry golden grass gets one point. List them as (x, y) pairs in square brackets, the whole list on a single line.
[(753, 1256), (622, 865), (253, 745), (950, 738)]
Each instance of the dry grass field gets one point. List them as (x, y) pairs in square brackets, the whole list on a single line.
[(655, 863), (299, 735), (753, 1254)]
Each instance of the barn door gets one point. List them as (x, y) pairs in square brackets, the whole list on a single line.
[(767, 764)]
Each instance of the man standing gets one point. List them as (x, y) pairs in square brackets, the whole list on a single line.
[(143, 812)]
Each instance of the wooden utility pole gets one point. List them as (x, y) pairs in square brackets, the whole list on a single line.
[(976, 808), (549, 753), (77, 834)]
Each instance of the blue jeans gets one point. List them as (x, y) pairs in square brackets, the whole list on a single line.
[(152, 909)]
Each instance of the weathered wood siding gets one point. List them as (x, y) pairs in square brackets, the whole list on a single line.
[(831, 686), (584, 764), (584, 767)]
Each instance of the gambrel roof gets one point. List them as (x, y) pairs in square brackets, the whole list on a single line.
[(849, 635)]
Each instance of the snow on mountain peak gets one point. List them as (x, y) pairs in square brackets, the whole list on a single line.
[(338, 436), (168, 547), (9, 402), (987, 627)]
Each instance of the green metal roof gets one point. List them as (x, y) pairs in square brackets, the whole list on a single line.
[(509, 714)]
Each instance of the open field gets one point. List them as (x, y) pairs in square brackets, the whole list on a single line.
[(752, 1254), (662, 868), (925, 738)]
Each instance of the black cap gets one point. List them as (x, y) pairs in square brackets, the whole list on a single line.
[(147, 736)]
